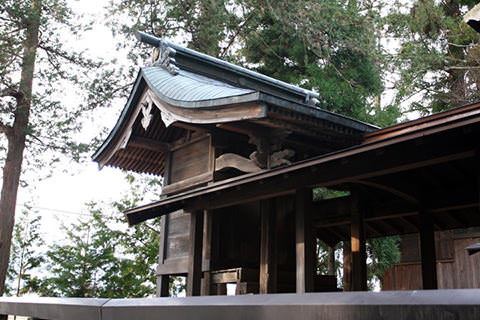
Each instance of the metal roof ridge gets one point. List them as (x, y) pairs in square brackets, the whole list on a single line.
[(224, 65)]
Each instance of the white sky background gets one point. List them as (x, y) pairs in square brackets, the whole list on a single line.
[(61, 198)]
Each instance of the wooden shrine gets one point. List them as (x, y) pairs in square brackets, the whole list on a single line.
[(240, 154)]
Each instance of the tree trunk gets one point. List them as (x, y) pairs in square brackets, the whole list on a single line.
[(16, 140)]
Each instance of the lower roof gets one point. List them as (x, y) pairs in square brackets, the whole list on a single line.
[(449, 137)]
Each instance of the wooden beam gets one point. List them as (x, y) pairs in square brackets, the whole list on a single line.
[(332, 173), (427, 250), (194, 277), (359, 256), (407, 221), (305, 242), (398, 193), (232, 160), (148, 144), (373, 229), (358, 163), (393, 225), (458, 220), (268, 247)]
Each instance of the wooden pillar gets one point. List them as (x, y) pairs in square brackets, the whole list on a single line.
[(331, 261), (347, 266), (194, 277), (359, 256), (163, 281), (427, 250), (207, 252), (305, 242), (477, 172), (268, 247)]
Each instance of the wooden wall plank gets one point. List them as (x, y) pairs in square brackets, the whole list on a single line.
[(467, 267)]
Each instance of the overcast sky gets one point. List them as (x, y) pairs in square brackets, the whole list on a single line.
[(61, 198)]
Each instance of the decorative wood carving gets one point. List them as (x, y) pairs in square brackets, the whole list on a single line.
[(164, 56), (231, 160), (281, 158), (276, 159), (146, 111)]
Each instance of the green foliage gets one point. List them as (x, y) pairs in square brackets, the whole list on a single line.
[(93, 262), (438, 59), (102, 257), (329, 46), (383, 254), (25, 254)]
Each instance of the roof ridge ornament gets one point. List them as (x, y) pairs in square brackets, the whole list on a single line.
[(163, 55)]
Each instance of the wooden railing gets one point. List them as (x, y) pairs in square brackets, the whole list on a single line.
[(428, 304)]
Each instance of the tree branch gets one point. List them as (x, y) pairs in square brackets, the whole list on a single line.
[(237, 32), (6, 130), (11, 92)]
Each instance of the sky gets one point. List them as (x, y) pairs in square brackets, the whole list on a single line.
[(61, 198)]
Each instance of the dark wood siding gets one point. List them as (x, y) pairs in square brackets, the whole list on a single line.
[(455, 268)]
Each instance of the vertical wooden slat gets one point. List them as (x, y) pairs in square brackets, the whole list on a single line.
[(427, 250), (194, 277), (305, 242), (347, 266), (162, 280), (268, 247), (207, 252), (357, 234)]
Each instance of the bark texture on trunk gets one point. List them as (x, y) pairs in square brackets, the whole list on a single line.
[(16, 140)]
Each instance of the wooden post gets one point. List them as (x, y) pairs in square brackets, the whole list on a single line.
[(305, 242), (207, 252), (331, 261), (221, 289), (163, 281), (347, 266), (268, 247), (427, 250), (194, 277), (477, 172), (359, 256)]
